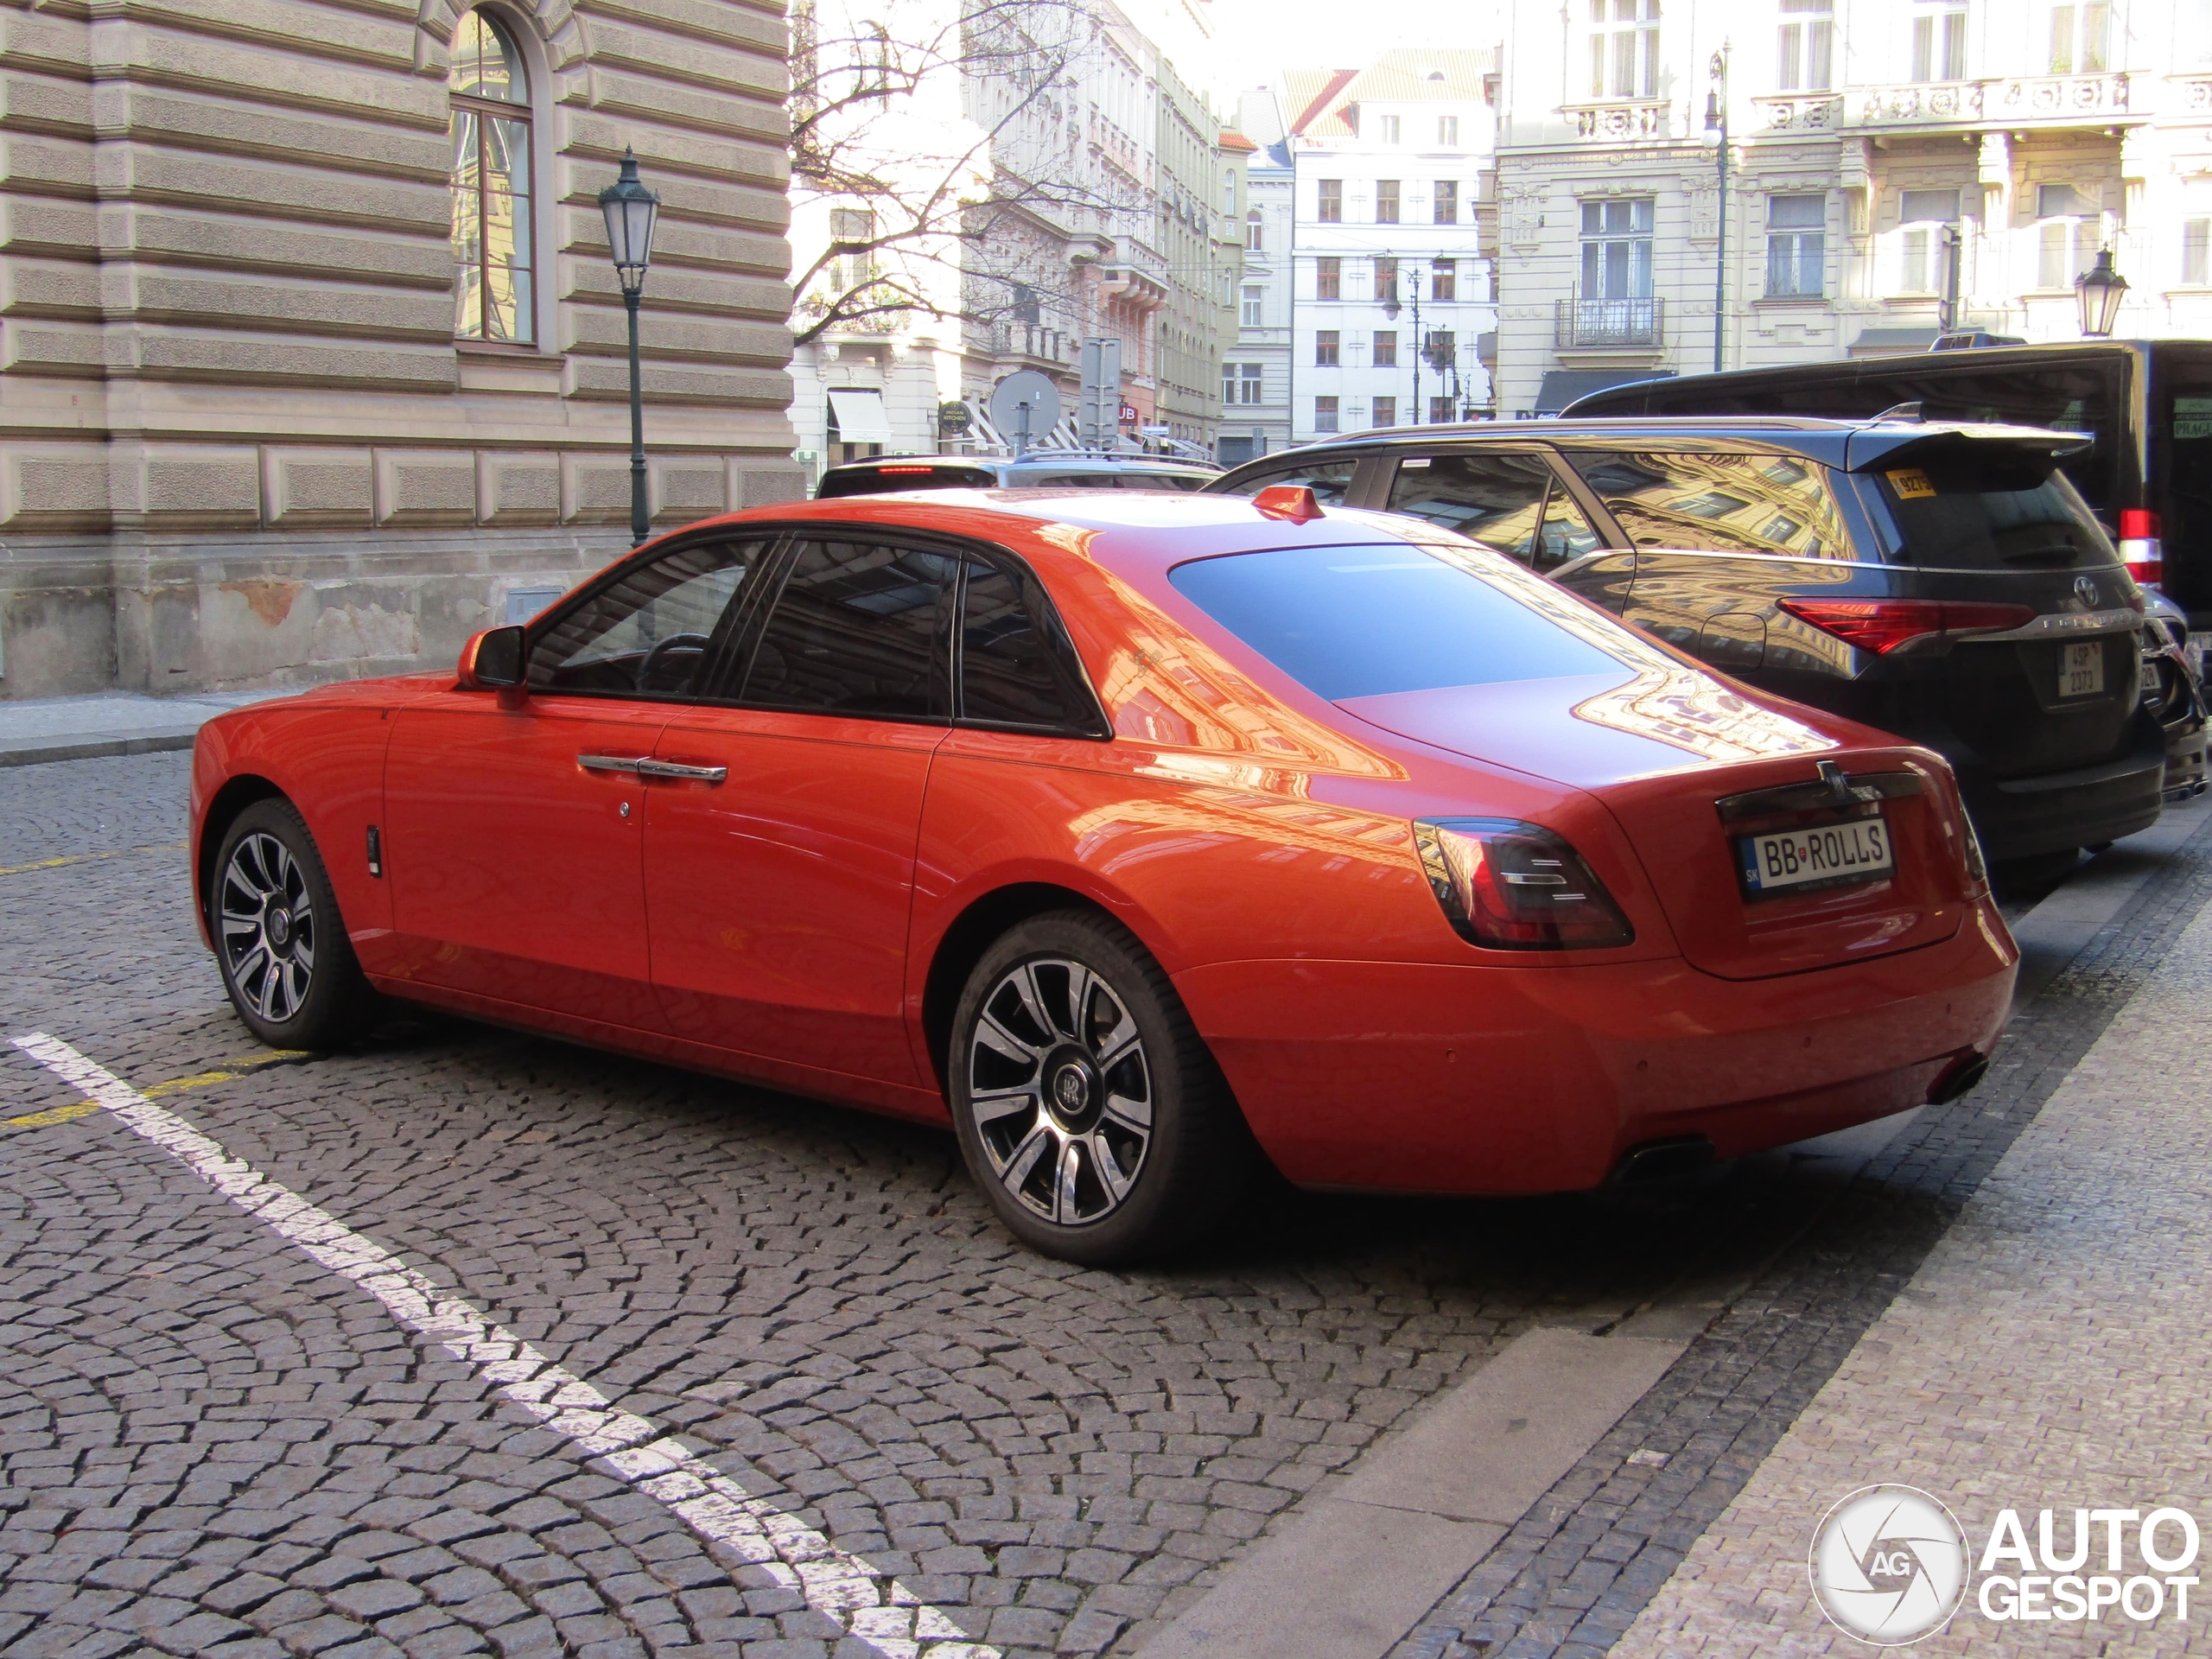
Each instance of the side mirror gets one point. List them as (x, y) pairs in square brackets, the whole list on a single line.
[(495, 658)]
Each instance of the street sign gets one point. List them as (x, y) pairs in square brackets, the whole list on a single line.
[(1128, 414), (1157, 432), (1100, 396), (1024, 407)]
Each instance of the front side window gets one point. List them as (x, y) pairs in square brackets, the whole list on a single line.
[(494, 288), (1332, 207), (1447, 201), (1617, 249), (856, 630), (2081, 38), (1930, 219), (1444, 279), (1795, 245), (1939, 40), (1015, 658), (1624, 48), (1326, 343), (1806, 44), (1386, 348), (1386, 200), (1324, 415), (1328, 279), (649, 632), (1494, 498), (1719, 502)]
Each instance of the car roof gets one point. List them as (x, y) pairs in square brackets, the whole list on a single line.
[(1849, 444), (1125, 532)]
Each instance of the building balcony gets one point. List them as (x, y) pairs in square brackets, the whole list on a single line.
[(2008, 101), (1134, 274), (1608, 325), (1620, 119), (1799, 111)]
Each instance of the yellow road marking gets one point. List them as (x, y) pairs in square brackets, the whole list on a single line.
[(245, 1065), (91, 858)]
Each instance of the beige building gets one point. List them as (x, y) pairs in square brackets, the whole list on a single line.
[(311, 357), (1894, 166)]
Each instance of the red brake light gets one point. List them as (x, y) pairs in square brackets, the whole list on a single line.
[(2138, 524), (888, 470), (1517, 887), (1883, 624), (1293, 501)]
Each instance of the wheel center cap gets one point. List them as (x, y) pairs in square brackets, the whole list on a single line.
[(1072, 1091), (279, 924)]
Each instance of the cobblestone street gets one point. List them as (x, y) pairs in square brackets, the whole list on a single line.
[(472, 1342)]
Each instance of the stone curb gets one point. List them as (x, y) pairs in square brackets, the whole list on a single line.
[(97, 748)]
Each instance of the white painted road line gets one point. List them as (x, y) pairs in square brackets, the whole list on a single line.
[(743, 1529)]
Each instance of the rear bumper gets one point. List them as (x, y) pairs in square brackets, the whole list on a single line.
[(1427, 1078), (2018, 817)]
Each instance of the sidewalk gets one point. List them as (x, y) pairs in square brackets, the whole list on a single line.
[(109, 722)]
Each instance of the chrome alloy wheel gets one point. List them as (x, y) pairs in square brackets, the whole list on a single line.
[(1060, 1090), (267, 926)]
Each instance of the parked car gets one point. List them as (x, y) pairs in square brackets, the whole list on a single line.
[(1038, 470), (2173, 691), (1938, 580), (1123, 833)]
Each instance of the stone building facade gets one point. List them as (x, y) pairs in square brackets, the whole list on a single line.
[(1896, 167), (311, 357)]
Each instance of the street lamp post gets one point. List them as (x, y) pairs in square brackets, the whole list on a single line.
[(2098, 291), (1390, 308), (1716, 133), (631, 211)]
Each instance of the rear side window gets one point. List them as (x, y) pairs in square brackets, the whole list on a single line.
[(1719, 502), (1362, 621), (1330, 481), (1494, 498), (1016, 658), (1984, 506), (877, 480), (857, 629), (1185, 482)]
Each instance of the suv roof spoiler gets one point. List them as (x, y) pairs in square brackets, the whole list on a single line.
[(1875, 444)]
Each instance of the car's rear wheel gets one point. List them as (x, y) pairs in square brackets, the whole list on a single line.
[(1088, 1108), (286, 960)]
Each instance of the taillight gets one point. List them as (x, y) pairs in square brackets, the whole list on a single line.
[(1883, 624), (2141, 548), (1510, 886)]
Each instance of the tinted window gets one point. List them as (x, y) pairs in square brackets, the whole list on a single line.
[(1719, 502), (645, 634), (1330, 481), (1064, 481), (856, 630), (1567, 535), (1014, 655), (1358, 621), (1183, 481), (877, 480), (1986, 506), (1494, 499)]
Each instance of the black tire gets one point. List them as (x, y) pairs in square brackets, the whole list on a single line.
[(292, 977), (1099, 1187)]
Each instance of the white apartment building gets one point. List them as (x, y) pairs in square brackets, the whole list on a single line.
[(1894, 167), (1390, 280), (1255, 372)]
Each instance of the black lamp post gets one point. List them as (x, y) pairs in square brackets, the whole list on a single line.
[(630, 210), (2098, 291), (1390, 310), (1716, 133)]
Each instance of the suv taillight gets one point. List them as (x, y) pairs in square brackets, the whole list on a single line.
[(1510, 886), (1883, 624), (2140, 549)]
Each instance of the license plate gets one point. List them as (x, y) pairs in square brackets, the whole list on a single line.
[(1829, 856), (2081, 669)]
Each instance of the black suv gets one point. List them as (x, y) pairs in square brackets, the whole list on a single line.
[(1941, 581)]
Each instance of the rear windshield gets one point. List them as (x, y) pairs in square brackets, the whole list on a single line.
[(1106, 481), (1361, 621), (1983, 507), (875, 481)]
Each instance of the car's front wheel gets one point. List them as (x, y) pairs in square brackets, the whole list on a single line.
[(1087, 1106), (286, 960)]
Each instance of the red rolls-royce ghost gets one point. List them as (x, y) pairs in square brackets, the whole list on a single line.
[(1130, 836)]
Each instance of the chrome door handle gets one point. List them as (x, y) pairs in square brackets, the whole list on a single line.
[(676, 769), (630, 766)]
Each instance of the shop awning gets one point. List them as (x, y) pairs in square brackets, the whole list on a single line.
[(860, 416), (1562, 386)]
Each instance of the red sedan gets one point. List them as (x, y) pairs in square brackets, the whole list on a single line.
[(1128, 834)]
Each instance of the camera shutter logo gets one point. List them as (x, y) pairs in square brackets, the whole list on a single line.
[(1889, 1565)]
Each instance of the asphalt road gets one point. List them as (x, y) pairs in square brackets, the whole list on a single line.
[(226, 1429)]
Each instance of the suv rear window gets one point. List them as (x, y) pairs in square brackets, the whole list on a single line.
[(1721, 503), (1362, 621), (878, 480), (1983, 507)]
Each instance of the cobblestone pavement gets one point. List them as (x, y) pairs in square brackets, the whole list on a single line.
[(211, 1443), (2107, 1053)]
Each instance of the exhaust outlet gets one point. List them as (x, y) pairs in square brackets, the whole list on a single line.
[(1960, 1080), (1663, 1160)]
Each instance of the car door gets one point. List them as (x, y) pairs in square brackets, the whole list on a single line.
[(513, 820), (779, 842)]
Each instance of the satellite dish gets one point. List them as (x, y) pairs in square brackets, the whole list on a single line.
[(1025, 407)]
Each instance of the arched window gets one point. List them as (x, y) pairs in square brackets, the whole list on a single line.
[(494, 297)]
